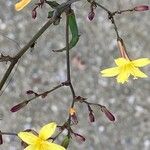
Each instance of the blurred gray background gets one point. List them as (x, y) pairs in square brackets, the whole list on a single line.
[(42, 69)]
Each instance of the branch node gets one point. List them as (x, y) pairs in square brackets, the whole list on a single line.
[(5, 58)]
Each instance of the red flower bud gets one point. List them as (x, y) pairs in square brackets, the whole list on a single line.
[(79, 137), (91, 15), (19, 106), (29, 92), (34, 13), (108, 114), (74, 119), (1, 139), (91, 117), (141, 8)]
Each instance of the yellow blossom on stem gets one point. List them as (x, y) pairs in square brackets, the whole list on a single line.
[(40, 142), (125, 68), (20, 5)]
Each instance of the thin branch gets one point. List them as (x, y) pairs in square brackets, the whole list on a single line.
[(8, 133), (7, 73), (57, 12), (68, 72), (89, 103), (67, 50), (122, 11), (104, 8), (23, 50), (110, 16), (54, 138), (46, 93), (36, 95), (68, 56)]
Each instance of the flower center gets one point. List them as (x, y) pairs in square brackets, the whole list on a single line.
[(39, 142)]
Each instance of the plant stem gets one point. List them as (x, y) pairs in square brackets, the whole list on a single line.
[(67, 50), (104, 8), (8, 133), (47, 92), (23, 50), (57, 12), (68, 58), (68, 71)]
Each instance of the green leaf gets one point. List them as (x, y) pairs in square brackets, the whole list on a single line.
[(50, 14), (65, 142), (74, 32), (52, 4)]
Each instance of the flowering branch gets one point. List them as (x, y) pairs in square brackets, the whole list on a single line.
[(125, 67)]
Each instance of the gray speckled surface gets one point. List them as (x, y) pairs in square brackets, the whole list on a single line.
[(43, 69)]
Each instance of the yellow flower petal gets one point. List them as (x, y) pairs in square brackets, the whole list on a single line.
[(110, 72), (30, 147), (141, 62), (20, 5), (121, 61), (52, 146), (136, 72), (47, 130), (123, 75), (28, 137), (126, 68)]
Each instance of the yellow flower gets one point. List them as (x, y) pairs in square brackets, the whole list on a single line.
[(40, 142), (20, 5), (125, 68)]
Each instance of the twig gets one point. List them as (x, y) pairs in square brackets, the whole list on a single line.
[(111, 16), (8, 133), (47, 92), (57, 12), (122, 11), (104, 8)]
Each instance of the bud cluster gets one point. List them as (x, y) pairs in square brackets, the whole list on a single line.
[(108, 114)]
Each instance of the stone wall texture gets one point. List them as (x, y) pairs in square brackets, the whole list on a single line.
[(40, 69)]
